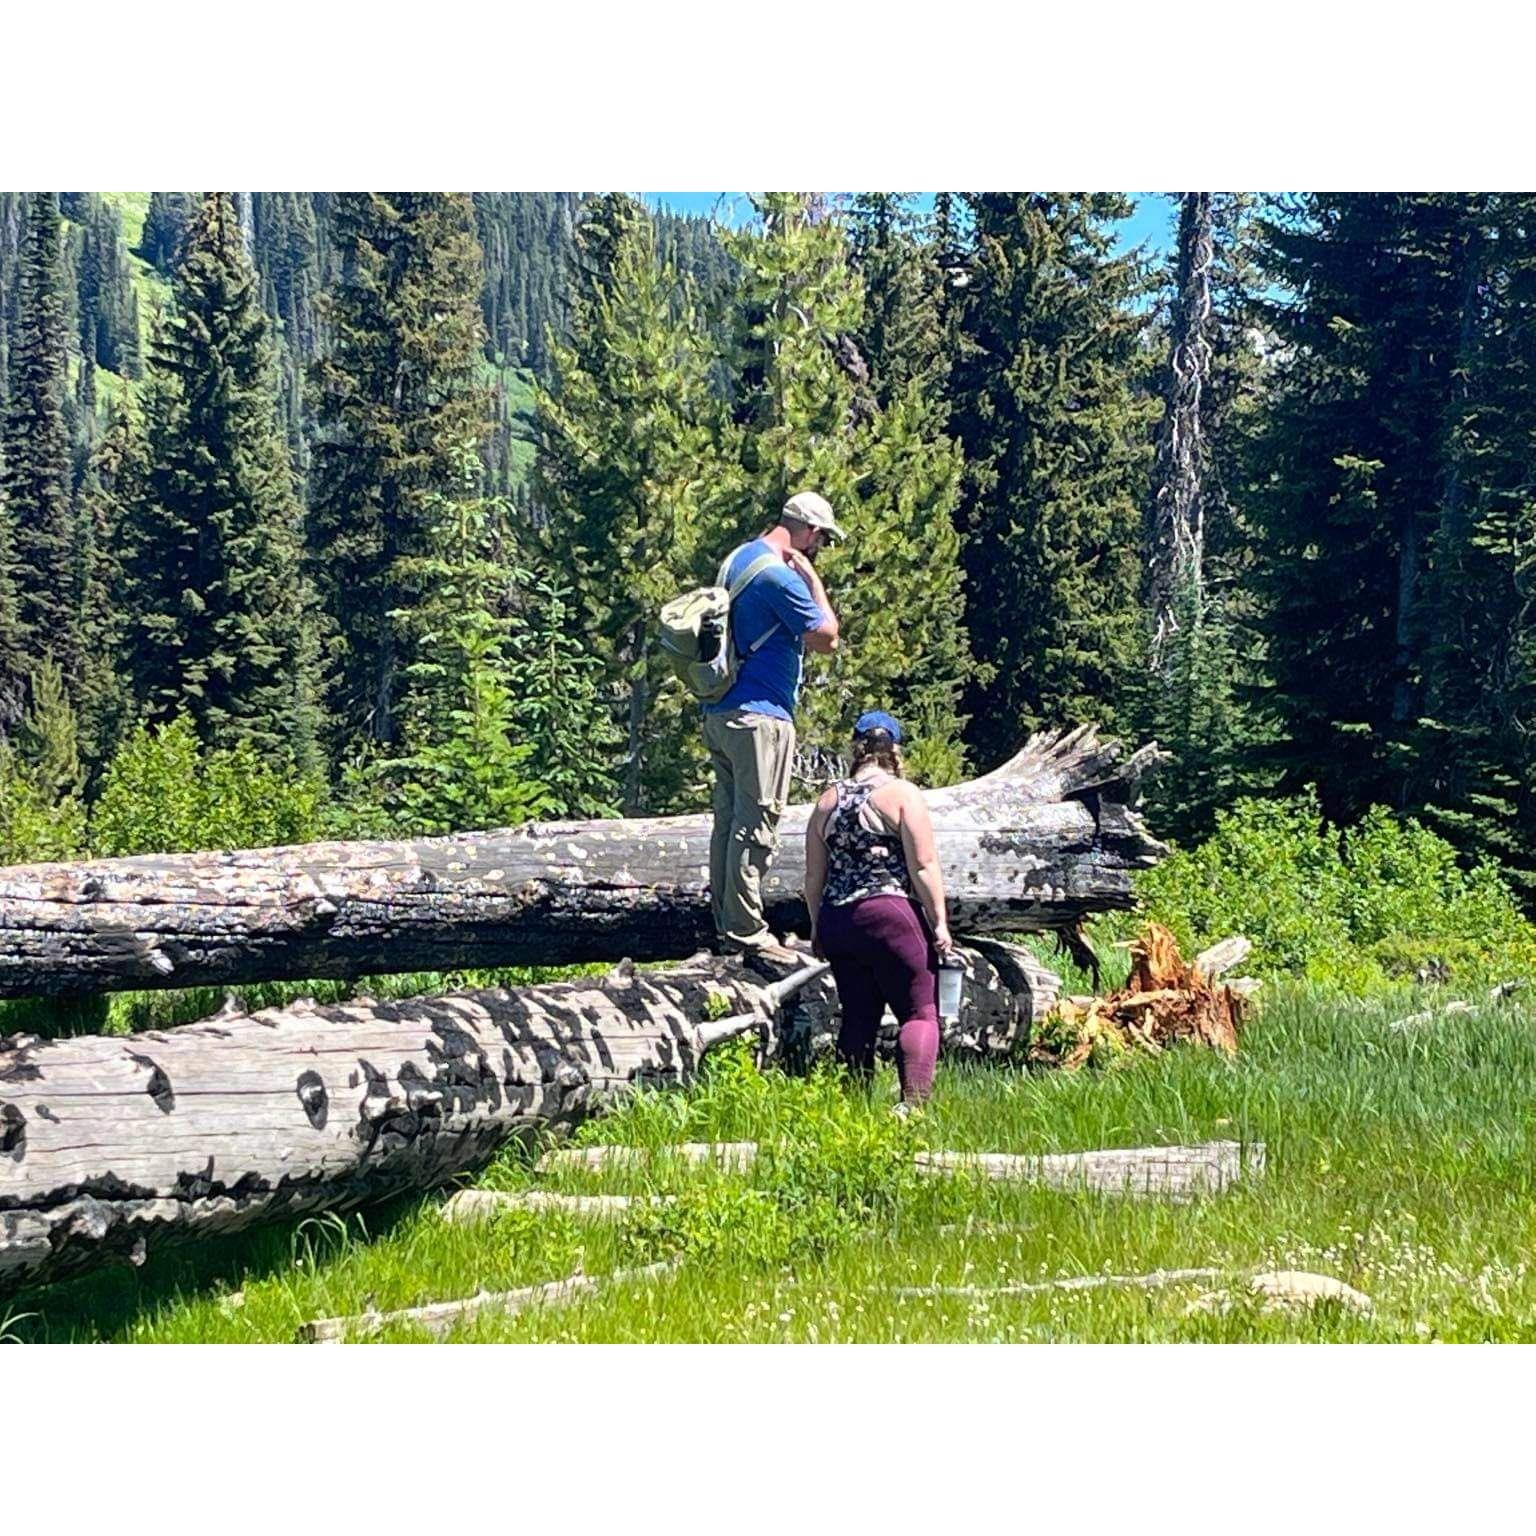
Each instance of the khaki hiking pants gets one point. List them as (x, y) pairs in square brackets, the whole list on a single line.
[(753, 755)]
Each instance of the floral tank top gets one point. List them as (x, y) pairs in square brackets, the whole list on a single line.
[(861, 863)]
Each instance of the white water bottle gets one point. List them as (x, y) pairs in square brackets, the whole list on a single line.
[(951, 984)]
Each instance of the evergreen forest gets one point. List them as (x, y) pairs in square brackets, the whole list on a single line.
[(350, 513)]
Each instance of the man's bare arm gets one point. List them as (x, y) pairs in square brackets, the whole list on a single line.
[(823, 639)]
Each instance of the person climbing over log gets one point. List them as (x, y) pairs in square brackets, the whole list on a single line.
[(750, 731), (876, 896)]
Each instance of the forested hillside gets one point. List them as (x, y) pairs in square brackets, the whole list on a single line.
[(350, 512)]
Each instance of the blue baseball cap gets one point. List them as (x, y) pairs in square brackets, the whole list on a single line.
[(877, 720)]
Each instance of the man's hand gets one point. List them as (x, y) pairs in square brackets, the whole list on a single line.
[(800, 564), (822, 639)]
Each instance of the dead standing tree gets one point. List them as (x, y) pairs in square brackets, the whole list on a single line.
[(1177, 514)]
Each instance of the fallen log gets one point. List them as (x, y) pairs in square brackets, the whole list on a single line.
[(1044, 840), (440, 1318), (731, 1156), (1496, 994), (109, 1144), (469, 1206), (1177, 1173), (1152, 1281), (1007, 993)]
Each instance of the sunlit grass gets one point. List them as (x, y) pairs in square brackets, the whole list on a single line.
[(1398, 1161)]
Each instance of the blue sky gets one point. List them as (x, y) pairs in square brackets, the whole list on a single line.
[(1151, 223)]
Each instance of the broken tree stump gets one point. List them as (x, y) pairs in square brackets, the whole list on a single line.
[(1165, 1000), (1037, 844)]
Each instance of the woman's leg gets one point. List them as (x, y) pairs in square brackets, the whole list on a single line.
[(907, 973), (858, 992)]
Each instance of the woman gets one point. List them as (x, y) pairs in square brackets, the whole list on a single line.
[(871, 878)]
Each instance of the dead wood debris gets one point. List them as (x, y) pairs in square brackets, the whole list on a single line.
[(1166, 1000)]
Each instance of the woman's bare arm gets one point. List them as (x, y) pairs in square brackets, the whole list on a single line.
[(816, 860), (923, 864)]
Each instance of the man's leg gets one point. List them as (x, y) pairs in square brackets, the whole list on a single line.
[(724, 808), (761, 749)]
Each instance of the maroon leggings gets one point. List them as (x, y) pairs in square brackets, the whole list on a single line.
[(881, 954)]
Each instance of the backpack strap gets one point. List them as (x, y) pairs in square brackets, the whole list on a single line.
[(755, 569), (742, 582)]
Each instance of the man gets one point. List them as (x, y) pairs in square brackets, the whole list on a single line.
[(750, 732)]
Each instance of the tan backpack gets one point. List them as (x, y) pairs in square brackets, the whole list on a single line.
[(696, 631)]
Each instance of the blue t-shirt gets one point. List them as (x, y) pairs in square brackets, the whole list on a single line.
[(768, 681)]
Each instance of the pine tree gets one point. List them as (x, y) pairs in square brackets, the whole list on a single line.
[(13, 669), (1187, 700), (113, 485), (810, 419), (42, 816), (35, 447), (1349, 473), (1177, 510), (1050, 411), (902, 336), (462, 765), (562, 709), (107, 309), (286, 249), (218, 621), (396, 397), (165, 224), (1476, 755), (631, 478)]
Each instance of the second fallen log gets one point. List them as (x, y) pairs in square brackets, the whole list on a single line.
[(109, 1145)]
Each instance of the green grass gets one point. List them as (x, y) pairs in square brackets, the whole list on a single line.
[(1398, 1162), (153, 290), (517, 384)]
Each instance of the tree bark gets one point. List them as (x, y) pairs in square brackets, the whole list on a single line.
[(1178, 516), (110, 1144), (1037, 844)]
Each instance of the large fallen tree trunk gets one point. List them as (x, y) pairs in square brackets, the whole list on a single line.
[(1037, 844), (109, 1144)]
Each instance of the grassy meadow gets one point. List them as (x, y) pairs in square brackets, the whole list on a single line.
[(1399, 1161)]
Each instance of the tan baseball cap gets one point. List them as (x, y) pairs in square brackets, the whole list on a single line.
[(815, 512)]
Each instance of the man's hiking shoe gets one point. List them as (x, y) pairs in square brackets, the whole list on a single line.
[(769, 950), (774, 958)]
